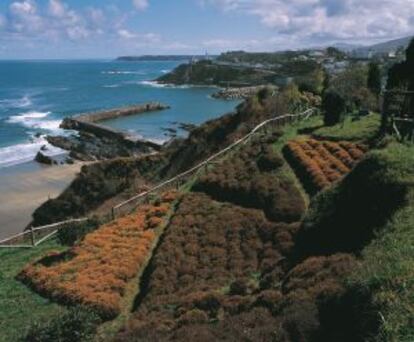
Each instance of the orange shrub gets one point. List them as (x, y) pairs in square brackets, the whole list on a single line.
[(96, 272), (321, 163)]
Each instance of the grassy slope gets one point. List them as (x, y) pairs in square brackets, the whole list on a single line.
[(19, 305), (364, 129), (387, 267), (388, 262)]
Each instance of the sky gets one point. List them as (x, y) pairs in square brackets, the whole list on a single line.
[(56, 29)]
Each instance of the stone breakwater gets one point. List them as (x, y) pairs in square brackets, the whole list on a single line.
[(240, 93), (97, 141), (95, 117)]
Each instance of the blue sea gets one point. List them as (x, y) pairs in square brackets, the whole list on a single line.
[(36, 95)]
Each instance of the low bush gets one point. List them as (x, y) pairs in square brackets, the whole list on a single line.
[(322, 163), (250, 178), (95, 272), (211, 258), (78, 324), (95, 184), (73, 233)]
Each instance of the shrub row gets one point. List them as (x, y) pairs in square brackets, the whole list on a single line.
[(96, 272), (321, 163), (251, 178), (223, 264)]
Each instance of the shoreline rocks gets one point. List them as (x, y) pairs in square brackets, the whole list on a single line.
[(44, 159), (89, 147), (99, 142)]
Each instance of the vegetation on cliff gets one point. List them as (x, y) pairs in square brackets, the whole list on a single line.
[(209, 73), (251, 179), (95, 184), (308, 75)]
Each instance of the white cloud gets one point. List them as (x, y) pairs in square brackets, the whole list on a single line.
[(23, 8), (23, 17), (125, 34), (25, 21), (56, 8), (321, 20), (140, 5), (139, 38)]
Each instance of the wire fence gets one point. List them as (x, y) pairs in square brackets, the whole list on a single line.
[(35, 236)]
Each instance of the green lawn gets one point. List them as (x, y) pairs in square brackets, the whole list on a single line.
[(19, 306), (363, 129)]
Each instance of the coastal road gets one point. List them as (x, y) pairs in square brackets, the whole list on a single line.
[(24, 187)]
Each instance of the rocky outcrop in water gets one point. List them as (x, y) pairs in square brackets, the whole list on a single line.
[(44, 159), (99, 142), (89, 147)]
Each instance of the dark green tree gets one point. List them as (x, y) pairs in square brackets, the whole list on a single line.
[(326, 81), (334, 107), (374, 78), (401, 77)]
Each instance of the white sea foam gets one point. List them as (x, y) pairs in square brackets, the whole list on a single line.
[(159, 141), (122, 72), (35, 120), (21, 153), (165, 71), (155, 84), (22, 102), (112, 86)]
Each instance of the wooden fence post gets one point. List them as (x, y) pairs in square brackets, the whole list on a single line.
[(32, 236), (113, 213)]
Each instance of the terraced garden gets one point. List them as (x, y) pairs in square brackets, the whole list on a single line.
[(319, 164), (96, 272), (239, 256)]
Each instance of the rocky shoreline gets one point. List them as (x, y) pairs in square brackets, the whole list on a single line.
[(96, 141)]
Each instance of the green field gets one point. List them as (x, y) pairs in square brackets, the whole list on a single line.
[(362, 129), (20, 307)]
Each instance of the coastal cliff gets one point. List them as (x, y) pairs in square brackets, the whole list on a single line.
[(210, 73)]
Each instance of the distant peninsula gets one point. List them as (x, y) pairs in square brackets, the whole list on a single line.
[(160, 58)]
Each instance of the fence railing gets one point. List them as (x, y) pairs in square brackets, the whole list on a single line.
[(33, 237), (130, 204)]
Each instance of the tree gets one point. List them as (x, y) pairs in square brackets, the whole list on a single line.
[(333, 106), (401, 75), (349, 83), (374, 78), (313, 82), (334, 52)]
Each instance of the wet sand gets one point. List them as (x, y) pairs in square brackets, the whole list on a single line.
[(25, 187)]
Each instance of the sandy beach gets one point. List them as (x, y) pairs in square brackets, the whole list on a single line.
[(26, 186)]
